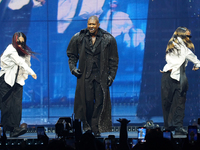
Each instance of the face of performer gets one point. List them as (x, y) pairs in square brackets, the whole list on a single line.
[(21, 42), (188, 34), (93, 26)]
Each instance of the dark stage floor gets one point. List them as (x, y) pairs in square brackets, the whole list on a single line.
[(52, 135), (30, 138)]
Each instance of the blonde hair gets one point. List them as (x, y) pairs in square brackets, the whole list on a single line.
[(180, 32)]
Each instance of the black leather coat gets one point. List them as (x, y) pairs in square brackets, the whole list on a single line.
[(108, 66)]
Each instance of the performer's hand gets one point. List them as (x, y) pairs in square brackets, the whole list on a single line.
[(110, 80), (195, 68), (77, 73), (34, 76), (161, 71)]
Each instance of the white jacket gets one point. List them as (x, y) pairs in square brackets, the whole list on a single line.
[(176, 59), (10, 60)]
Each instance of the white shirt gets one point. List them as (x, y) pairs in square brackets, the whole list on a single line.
[(17, 4), (10, 60), (90, 8), (121, 23), (174, 61), (67, 10)]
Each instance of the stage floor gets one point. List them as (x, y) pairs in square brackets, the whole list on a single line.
[(50, 115), (103, 135), (30, 139)]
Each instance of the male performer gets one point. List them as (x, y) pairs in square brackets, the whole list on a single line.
[(96, 51)]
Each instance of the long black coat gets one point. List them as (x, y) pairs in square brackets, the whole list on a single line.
[(108, 66)]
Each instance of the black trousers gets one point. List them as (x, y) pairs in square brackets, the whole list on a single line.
[(11, 105), (173, 104), (94, 102)]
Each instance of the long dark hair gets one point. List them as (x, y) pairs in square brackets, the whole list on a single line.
[(22, 50), (180, 32)]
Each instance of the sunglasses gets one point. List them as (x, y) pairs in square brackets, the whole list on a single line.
[(21, 43), (189, 36)]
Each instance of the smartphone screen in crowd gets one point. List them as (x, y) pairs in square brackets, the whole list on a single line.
[(192, 134), (167, 134), (134, 142), (40, 132), (108, 144), (141, 134)]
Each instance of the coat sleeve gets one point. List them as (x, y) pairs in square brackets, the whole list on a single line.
[(113, 58), (193, 58), (72, 52)]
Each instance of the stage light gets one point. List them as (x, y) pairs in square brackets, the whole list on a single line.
[(67, 127), (129, 129), (64, 127), (117, 129), (113, 129), (133, 129), (149, 124)]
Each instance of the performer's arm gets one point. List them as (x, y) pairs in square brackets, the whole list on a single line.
[(193, 58)]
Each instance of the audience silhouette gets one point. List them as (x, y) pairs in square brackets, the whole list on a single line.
[(154, 140)]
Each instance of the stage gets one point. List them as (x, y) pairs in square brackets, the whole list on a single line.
[(31, 141), (131, 135), (31, 136)]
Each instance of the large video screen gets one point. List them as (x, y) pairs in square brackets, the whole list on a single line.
[(141, 28), (49, 27)]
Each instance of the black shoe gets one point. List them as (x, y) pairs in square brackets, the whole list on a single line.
[(97, 134), (18, 131), (180, 131)]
